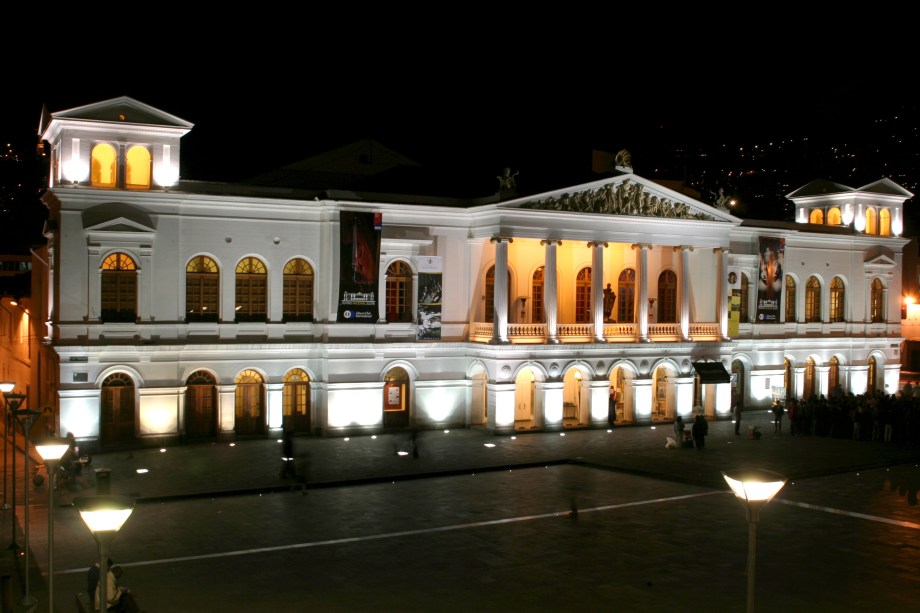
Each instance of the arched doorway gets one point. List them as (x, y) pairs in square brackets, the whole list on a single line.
[(663, 395), (250, 403), (295, 401), (479, 402), (737, 383), (200, 405), (788, 382), (396, 398), (809, 387), (117, 418), (525, 400)]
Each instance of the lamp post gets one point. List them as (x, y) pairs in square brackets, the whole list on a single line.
[(51, 450), (104, 516), (13, 402), (754, 489), (6, 387), (26, 419)]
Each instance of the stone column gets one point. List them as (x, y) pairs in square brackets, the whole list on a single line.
[(722, 290), (597, 289), (642, 307), (684, 291), (550, 306), (500, 325)]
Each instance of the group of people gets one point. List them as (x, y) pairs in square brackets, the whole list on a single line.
[(118, 598), (699, 429)]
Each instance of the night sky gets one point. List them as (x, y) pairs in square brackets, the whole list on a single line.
[(538, 109)]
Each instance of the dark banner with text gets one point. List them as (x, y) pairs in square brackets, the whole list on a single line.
[(359, 266), (770, 284)]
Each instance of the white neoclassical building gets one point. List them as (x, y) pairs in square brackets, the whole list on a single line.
[(193, 311)]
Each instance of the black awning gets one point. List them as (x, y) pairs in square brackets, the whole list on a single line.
[(712, 372)]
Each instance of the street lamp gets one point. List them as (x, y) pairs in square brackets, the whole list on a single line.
[(51, 450), (26, 419), (6, 387), (104, 516), (754, 488), (13, 402)]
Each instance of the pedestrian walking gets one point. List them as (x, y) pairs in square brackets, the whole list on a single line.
[(778, 411), (699, 430), (288, 469), (736, 413)]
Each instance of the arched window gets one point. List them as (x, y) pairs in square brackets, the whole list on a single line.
[(200, 405), (202, 289), (871, 221), (838, 294), (626, 296), (399, 292), (295, 401), (877, 302), (117, 404), (745, 299), (490, 294), (104, 166), (119, 288), (137, 168), (812, 300), (809, 390), (833, 217), (298, 291), (790, 299), (884, 222), (817, 216), (536, 297), (583, 296), (667, 297), (870, 376), (251, 290), (249, 403), (833, 375)]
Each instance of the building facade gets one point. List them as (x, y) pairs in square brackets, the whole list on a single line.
[(185, 311)]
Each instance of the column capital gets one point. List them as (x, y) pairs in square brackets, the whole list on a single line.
[(551, 241), (501, 239), (597, 244), (683, 248), (721, 250), (641, 246)]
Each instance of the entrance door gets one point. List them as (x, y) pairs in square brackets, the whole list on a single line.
[(117, 419), (250, 398), (296, 401), (201, 406)]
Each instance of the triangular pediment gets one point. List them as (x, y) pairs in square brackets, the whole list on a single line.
[(121, 225), (885, 187), (882, 261), (627, 194), (820, 187), (123, 110)]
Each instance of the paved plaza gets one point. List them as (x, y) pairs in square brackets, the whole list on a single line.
[(482, 522)]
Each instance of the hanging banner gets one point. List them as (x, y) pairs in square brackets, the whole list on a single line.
[(428, 323), (359, 265), (770, 281), (734, 300)]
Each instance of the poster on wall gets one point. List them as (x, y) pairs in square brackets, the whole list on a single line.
[(770, 279), (734, 300), (359, 266), (428, 324)]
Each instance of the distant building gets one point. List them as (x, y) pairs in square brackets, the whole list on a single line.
[(195, 311)]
